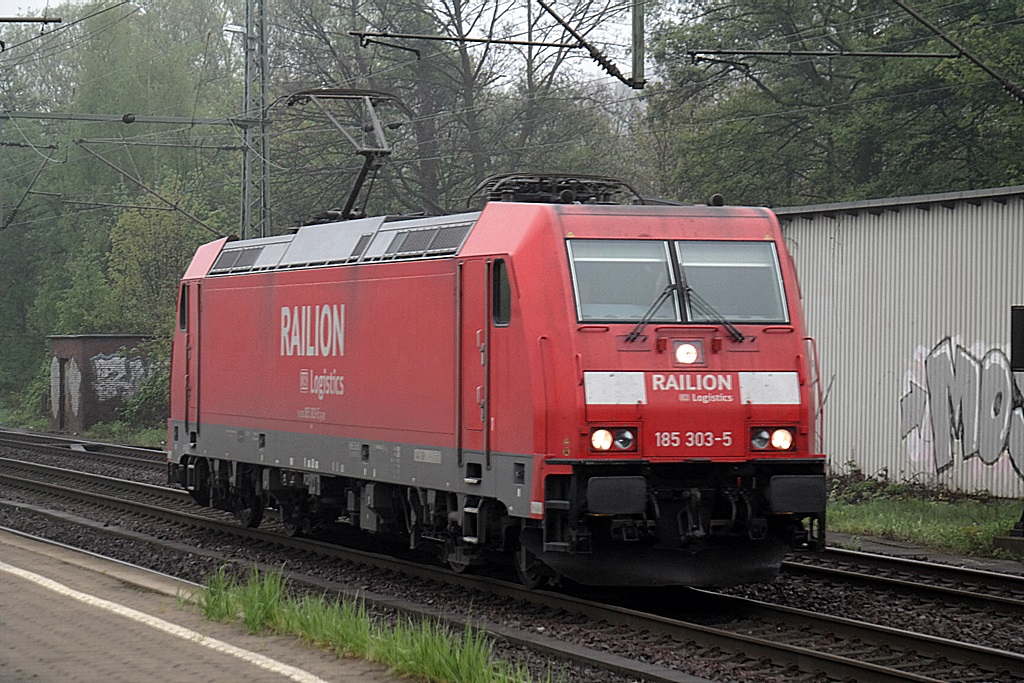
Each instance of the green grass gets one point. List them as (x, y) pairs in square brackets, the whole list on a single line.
[(963, 527), (118, 432), (21, 418), (937, 518), (425, 650)]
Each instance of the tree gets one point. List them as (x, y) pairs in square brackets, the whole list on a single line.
[(476, 108), (106, 58), (149, 252), (792, 130)]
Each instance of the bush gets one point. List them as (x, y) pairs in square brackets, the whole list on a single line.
[(150, 407)]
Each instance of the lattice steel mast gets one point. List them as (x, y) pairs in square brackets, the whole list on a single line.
[(256, 147)]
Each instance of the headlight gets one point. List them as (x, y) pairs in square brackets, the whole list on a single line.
[(688, 352), (771, 438), (613, 438), (601, 439), (782, 439), (624, 439)]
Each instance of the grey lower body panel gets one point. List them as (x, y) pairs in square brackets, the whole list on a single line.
[(504, 477)]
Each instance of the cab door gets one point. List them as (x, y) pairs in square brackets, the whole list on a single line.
[(474, 357), (191, 316)]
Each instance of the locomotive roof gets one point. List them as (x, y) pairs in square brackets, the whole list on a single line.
[(383, 238), (365, 240)]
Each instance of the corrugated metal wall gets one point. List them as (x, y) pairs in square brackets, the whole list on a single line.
[(910, 303)]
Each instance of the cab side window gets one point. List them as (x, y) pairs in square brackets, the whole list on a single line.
[(502, 293), (183, 308)]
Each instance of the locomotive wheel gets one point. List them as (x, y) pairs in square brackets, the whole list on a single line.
[(249, 510), (456, 557), (293, 526), (531, 571), (201, 491)]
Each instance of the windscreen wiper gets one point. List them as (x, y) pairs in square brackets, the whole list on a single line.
[(638, 330), (706, 310)]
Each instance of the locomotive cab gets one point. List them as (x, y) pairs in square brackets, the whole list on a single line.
[(692, 452)]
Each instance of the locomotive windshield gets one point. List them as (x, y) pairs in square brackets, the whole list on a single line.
[(620, 280)]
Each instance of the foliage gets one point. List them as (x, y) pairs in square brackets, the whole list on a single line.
[(149, 407), (96, 213), (783, 129), (30, 409), (83, 248), (121, 433), (149, 252), (471, 109), (219, 599)]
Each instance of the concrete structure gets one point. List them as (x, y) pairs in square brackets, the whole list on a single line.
[(90, 377), (77, 618), (910, 300)]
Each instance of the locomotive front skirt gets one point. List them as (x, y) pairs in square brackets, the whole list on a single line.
[(613, 394)]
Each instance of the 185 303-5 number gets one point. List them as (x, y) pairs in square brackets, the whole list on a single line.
[(692, 439)]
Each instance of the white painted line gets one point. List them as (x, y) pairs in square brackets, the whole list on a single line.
[(261, 661)]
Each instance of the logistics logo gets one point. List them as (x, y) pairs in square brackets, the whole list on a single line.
[(325, 384)]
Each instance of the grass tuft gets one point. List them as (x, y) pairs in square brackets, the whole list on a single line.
[(261, 599), (427, 650), (218, 600)]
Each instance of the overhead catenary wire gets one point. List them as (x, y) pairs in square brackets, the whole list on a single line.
[(454, 112)]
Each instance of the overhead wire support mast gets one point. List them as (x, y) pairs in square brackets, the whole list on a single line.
[(695, 55), (637, 82), (366, 38), (27, 20), (255, 209)]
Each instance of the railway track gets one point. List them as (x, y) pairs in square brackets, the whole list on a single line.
[(53, 477), (981, 590), (60, 445), (745, 631), (939, 583)]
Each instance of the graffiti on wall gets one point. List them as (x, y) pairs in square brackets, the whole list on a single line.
[(963, 404), (116, 376), (72, 390)]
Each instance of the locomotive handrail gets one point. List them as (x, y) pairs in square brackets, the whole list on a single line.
[(819, 413)]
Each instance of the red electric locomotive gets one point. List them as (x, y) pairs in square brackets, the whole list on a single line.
[(617, 394)]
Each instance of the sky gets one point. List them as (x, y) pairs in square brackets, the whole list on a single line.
[(24, 8)]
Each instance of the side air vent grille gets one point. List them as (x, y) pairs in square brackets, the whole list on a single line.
[(449, 239), (360, 248), (368, 240), (236, 260), (423, 243)]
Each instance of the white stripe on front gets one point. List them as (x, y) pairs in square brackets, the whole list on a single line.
[(770, 388), (614, 388)]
